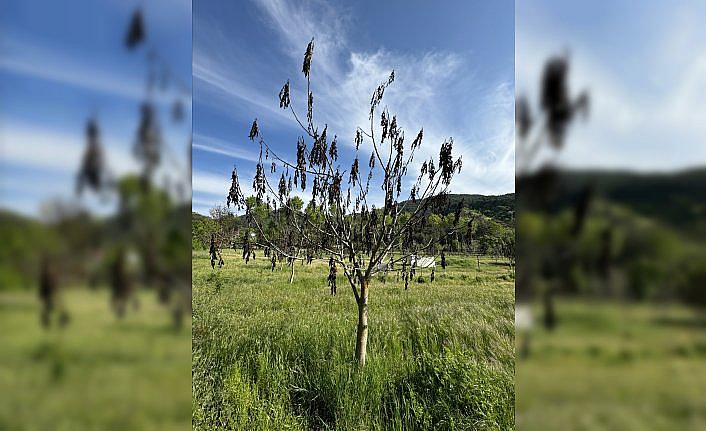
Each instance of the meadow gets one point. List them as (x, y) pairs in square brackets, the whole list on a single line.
[(269, 355), (615, 366), (97, 373)]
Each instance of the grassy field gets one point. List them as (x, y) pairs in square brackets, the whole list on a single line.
[(268, 355), (612, 366), (97, 373)]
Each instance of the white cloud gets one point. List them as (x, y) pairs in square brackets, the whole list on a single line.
[(210, 184), (37, 148), (49, 160)]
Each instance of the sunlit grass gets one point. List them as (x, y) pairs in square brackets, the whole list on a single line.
[(270, 355)]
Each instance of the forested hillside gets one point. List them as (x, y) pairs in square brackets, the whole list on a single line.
[(500, 208), (675, 199)]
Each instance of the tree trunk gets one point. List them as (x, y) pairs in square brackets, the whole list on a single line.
[(361, 344), (549, 311), (291, 277)]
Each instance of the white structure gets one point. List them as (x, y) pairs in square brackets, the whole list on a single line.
[(426, 262), (421, 262), (523, 317)]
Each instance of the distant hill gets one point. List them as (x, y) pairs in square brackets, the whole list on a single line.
[(677, 199), (501, 208), (196, 217)]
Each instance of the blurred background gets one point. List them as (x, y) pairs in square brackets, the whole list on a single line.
[(611, 225), (95, 134), (95, 198)]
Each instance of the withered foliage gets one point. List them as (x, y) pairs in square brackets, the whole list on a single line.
[(178, 111), (214, 253), (92, 171), (284, 100), (339, 221), (254, 130), (148, 143), (121, 283), (306, 66), (136, 30), (557, 107), (523, 117), (332, 273), (235, 195)]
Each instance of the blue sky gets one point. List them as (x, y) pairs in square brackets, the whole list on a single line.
[(454, 65), (645, 68), (62, 62)]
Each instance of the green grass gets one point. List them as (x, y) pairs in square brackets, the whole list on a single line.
[(95, 374), (612, 366), (268, 355)]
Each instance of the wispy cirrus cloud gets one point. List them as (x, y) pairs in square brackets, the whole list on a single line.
[(210, 184), (222, 147), (31, 60)]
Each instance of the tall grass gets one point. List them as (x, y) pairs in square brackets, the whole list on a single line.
[(268, 355), (97, 373)]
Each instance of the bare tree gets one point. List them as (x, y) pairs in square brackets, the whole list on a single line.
[(346, 225), (538, 187)]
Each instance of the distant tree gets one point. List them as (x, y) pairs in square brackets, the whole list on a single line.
[(488, 233), (50, 294), (690, 282), (144, 212), (92, 172), (507, 246), (355, 233), (226, 225), (122, 283), (201, 230)]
